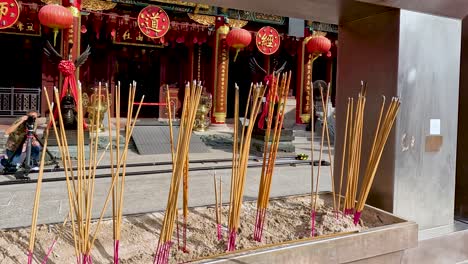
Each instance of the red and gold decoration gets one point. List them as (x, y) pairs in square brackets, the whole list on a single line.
[(56, 17), (316, 45), (9, 13), (268, 40), (153, 21), (211, 20), (238, 38), (27, 23), (307, 95), (128, 33), (95, 5), (68, 70), (221, 68)]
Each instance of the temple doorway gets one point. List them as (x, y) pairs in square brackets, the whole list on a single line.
[(143, 66)]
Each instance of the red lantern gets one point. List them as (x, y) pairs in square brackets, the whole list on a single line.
[(56, 17), (238, 38), (318, 45)]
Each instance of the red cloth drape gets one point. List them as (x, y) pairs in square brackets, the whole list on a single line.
[(67, 68), (270, 82)]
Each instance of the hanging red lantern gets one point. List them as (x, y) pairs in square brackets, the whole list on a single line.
[(56, 17), (318, 45), (238, 38)]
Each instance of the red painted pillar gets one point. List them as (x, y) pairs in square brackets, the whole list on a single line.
[(72, 42), (304, 70), (221, 69)]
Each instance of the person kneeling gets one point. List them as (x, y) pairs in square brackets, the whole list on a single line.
[(16, 144)]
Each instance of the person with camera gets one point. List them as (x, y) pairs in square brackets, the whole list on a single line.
[(18, 132)]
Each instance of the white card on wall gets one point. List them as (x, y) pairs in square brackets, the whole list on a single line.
[(434, 127)]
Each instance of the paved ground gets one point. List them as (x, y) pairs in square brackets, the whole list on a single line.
[(148, 193)]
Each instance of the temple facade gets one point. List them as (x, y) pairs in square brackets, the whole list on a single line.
[(193, 48)]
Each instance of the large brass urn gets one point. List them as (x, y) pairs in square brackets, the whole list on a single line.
[(202, 120), (97, 107)]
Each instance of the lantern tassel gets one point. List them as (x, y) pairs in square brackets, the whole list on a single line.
[(56, 31), (237, 53)]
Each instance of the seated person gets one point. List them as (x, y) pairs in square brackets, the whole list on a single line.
[(16, 136)]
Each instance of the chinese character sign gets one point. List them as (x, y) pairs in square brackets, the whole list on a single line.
[(153, 21), (26, 24), (267, 40), (9, 13), (130, 34)]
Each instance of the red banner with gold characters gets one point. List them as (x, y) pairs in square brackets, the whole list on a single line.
[(9, 13), (27, 22), (268, 40), (153, 22), (221, 75)]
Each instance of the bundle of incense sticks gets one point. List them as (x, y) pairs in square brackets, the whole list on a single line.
[(241, 157), (325, 135), (354, 129), (80, 187), (218, 206), (270, 150), (118, 168), (171, 141), (185, 179), (384, 127), (37, 199), (192, 95)]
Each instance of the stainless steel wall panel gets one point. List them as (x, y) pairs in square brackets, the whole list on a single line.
[(417, 57), (368, 50), (428, 83)]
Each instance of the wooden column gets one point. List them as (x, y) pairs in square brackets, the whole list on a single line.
[(221, 69)]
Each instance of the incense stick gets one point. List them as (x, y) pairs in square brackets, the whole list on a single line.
[(217, 209), (81, 188), (37, 197), (325, 106), (382, 132), (324, 127), (114, 191), (269, 155), (185, 131), (171, 141), (355, 130), (343, 156), (240, 163), (185, 182), (62, 144), (121, 172)]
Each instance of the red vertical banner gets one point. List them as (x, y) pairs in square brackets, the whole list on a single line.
[(74, 33), (307, 93), (221, 75), (304, 89)]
